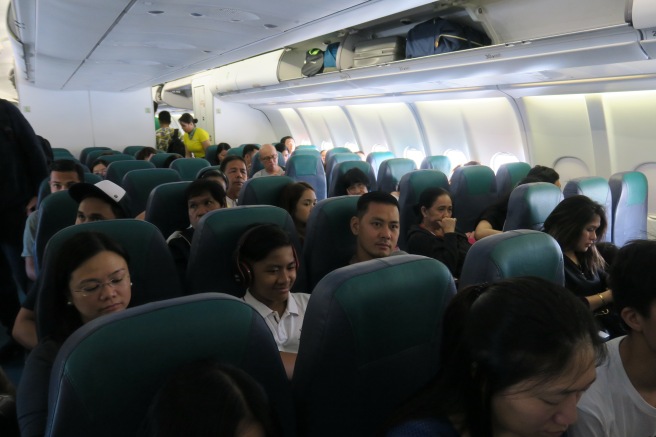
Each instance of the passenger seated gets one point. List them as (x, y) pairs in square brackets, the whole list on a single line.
[(269, 158), (234, 167), (203, 196), (298, 199), (435, 236), (63, 174), (622, 401), (99, 168), (96, 202), (206, 398), (221, 152), (289, 143), (516, 357), (576, 224), (247, 153), (266, 266), (376, 227), (492, 219), (100, 201), (283, 150), (92, 279), (212, 174), (145, 154), (353, 183)]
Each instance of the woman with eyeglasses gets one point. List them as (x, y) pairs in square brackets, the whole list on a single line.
[(92, 279)]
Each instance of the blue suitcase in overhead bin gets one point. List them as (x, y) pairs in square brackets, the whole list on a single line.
[(442, 36)]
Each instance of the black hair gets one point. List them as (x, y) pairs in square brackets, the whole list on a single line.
[(220, 148), (70, 256), (228, 159), (98, 161), (187, 118), (633, 275), (164, 117), (202, 186), (351, 177), (68, 165), (374, 197), (289, 197), (144, 152), (498, 335), (207, 398), (285, 138), (258, 241), (249, 148), (213, 172), (168, 161), (544, 174), (427, 198), (566, 223), (280, 147)]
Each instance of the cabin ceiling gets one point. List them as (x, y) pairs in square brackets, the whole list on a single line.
[(121, 45)]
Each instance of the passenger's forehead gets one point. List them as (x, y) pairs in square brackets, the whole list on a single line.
[(63, 175), (382, 210), (236, 164)]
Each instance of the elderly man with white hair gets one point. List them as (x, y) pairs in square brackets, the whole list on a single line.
[(269, 158)]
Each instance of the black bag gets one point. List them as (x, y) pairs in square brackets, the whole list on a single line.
[(313, 62), (442, 36), (176, 145)]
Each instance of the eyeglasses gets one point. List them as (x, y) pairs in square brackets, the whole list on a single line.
[(269, 158), (118, 281)]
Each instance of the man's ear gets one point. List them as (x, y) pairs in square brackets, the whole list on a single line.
[(632, 318), (355, 225)]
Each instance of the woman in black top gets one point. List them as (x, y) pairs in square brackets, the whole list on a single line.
[(435, 235), (576, 224)]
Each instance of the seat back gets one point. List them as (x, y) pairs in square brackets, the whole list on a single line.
[(132, 150), (509, 174), (335, 150), (159, 159), (511, 254), (391, 171), (57, 211), (629, 193), (210, 154), (306, 147), (238, 151), (85, 152), (340, 169), (142, 347), (211, 261), (308, 168), (118, 169), (371, 339), (377, 158), (139, 183), (337, 158), (256, 164), (166, 207), (439, 162), (411, 186), (263, 191), (300, 150), (530, 205), (152, 271), (95, 154), (61, 153), (597, 189), (118, 157), (329, 242), (473, 188), (188, 168)]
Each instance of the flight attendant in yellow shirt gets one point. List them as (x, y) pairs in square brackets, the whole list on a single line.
[(196, 140)]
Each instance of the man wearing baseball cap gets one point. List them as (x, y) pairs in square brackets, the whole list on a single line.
[(100, 201)]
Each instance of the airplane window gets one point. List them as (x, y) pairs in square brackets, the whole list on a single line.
[(354, 147), (502, 158), (649, 170), (456, 157), (415, 154), (569, 167), (379, 148), (326, 145)]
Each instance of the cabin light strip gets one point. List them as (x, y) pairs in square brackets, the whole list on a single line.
[(580, 81), (444, 90)]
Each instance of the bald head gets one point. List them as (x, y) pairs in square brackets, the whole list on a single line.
[(269, 158)]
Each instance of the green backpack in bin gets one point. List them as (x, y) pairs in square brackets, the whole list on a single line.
[(313, 62)]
